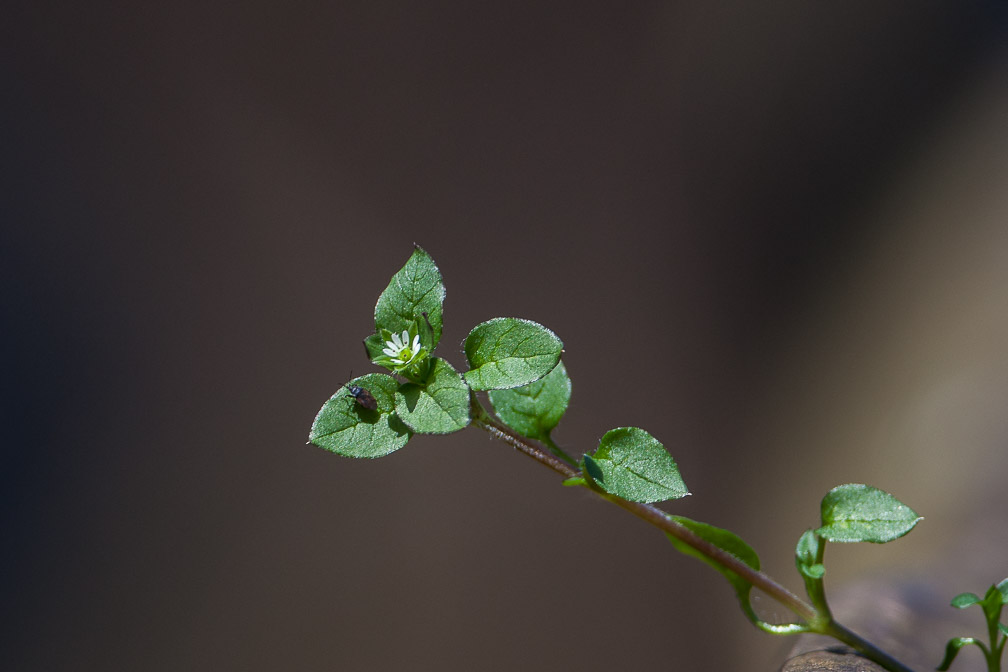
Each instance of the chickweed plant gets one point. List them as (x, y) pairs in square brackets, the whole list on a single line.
[(516, 363)]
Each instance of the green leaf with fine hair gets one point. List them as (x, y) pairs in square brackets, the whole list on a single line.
[(855, 512), (963, 600), (533, 410), (439, 406), (952, 650), (414, 290), (506, 352), (632, 464), (731, 543), (345, 427), (726, 541)]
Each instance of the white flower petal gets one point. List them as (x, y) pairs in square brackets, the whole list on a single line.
[(390, 352), (416, 343)]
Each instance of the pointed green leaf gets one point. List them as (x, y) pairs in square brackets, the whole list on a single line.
[(592, 470), (992, 605), (632, 464), (952, 649), (963, 600), (726, 541), (856, 512), (439, 406), (506, 352), (1003, 628), (345, 427), (414, 290), (731, 543), (533, 410)]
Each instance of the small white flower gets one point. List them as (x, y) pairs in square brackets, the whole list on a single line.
[(401, 350)]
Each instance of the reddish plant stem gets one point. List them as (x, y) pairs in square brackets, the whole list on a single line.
[(823, 624)]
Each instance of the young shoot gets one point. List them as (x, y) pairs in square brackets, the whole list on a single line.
[(997, 632)]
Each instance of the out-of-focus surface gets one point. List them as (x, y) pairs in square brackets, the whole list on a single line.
[(772, 236)]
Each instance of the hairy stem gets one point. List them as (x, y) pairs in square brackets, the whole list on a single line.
[(818, 622)]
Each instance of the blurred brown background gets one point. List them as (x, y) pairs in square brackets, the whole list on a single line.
[(773, 234)]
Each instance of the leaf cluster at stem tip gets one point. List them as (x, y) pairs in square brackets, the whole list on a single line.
[(422, 393), (515, 361)]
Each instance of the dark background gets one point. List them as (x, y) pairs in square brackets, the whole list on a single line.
[(772, 234)]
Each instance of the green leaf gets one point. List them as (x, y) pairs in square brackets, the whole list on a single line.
[(952, 649), (414, 290), (807, 554), (1003, 628), (856, 512), (506, 352), (726, 541), (439, 406), (992, 605), (963, 600), (731, 543), (632, 464), (533, 410), (345, 427), (1003, 589)]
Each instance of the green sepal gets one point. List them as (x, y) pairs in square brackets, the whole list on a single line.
[(415, 290), (953, 647), (573, 481), (632, 464), (345, 427), (507, 352), (440, 405), (533, 410), (855, 512), (374, 345)]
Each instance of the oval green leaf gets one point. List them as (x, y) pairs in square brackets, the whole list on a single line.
[(506, 352), (963, 600), (731, 543), (415, 289), (632, 464), (439, 406), (345, 427), (855, 512), (533, 410), (726, 541)]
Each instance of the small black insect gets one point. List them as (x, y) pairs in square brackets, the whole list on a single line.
[(364, 398)]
